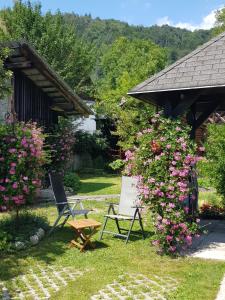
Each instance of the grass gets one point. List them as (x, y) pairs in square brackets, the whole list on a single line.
[(112, 257), (98, 185)]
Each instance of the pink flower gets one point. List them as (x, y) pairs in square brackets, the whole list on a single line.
[(169, 238), (188, 239), (168, 146), (2, 159), (2, 188), (186, 209), (12, 150), (151, 180), (12, 171), (171, 205), (155, 242), (15, 185), (13, 164)]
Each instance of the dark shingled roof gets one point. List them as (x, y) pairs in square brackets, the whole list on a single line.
[(202, 68)]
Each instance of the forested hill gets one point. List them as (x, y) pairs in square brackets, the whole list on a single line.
[(103, 33)]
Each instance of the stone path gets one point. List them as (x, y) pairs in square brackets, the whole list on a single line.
[(95, 197), (46, 195), (39, 283), (212, 244), (221, 293), (137, 287)]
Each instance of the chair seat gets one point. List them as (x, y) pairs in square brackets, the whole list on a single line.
[(120, 217)]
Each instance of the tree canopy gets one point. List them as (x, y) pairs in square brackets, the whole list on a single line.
[(53, 38), (122, 66)]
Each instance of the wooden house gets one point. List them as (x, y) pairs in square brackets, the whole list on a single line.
[(38, 93)]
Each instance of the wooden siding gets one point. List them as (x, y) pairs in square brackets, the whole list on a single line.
[(31, 103)]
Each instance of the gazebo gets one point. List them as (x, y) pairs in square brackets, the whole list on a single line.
[(194, 86), (38, 93)]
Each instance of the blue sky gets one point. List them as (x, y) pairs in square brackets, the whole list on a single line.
[(191, 14)]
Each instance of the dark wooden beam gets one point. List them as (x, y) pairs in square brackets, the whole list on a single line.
[(186, 101), (18, 65), (204, 116)]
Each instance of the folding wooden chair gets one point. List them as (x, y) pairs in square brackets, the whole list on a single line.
[(65, 208), (128, 210)]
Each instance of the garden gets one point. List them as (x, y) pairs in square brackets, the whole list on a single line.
[(161, 160), (134, 140)]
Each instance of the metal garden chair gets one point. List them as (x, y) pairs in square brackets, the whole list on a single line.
[(65, 208), (128, 210)]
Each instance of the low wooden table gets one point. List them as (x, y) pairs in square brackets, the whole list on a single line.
[(83, 239)]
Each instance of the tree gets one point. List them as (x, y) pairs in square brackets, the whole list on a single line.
[(220, 22), (5, 75), (53, 38), (215, 154), (121, 67)]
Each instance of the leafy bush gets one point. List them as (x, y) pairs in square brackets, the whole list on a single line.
[(21, 159), (95, 144), (162, 160), (72, 180), (61, 142), (204, 179), (13, 229), (215, 151), (208, 211), (117, 164)]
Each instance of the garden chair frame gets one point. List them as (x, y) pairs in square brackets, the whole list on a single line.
[(65, 208), (127, 211)]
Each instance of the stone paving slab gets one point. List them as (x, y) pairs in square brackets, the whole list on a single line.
[(212, 244), (40, 282), (137, 287)]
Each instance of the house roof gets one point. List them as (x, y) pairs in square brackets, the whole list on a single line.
[(25, 58), (202, 68)]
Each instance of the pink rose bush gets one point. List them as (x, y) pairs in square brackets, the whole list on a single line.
[(162, 160), (21, 159)]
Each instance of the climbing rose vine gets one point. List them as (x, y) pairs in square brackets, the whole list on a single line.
[(21, 160), (162, 161)]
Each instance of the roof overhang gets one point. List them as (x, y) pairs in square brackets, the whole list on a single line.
[(24, 57)]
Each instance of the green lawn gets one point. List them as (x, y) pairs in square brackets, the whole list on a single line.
[(197, 279), (107, 185)]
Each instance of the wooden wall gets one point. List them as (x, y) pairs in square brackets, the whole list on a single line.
[(31, 103)]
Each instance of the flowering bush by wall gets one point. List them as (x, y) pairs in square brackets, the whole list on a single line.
[(162, 160), (21, 159), (61, 142)]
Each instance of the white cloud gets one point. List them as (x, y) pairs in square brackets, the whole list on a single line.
[(207, 22)]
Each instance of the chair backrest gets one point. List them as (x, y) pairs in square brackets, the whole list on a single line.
[(128, 197), (58, 190)]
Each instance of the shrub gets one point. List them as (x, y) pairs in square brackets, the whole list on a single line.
[(61, 142), (208, 211), (162, 160), (21, 159), (215, 151), (72, 180), (13, 229), (117, 164)]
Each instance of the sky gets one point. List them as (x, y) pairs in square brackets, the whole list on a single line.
[(189, 14)]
